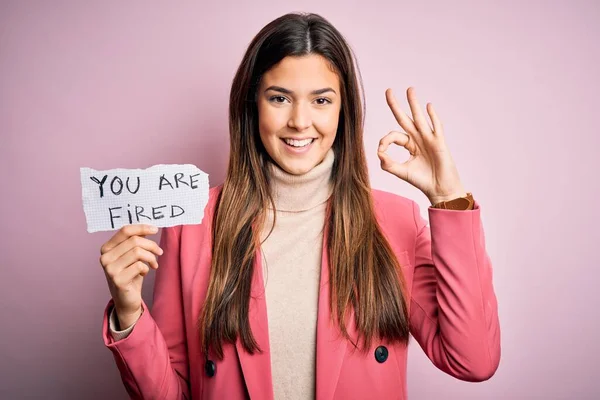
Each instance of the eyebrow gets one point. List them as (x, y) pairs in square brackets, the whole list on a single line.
[(287, 91)]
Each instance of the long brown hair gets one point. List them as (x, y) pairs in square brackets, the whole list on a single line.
[(364, 272)]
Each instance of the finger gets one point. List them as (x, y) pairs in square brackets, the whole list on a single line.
[(128, 244), (438, 129), (131, 257), (404, 120), (125, 232), (128, 274), (136, 254), (418, 116), (388, 164), (400, 138)]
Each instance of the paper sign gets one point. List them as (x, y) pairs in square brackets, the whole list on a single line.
[(162, 195)]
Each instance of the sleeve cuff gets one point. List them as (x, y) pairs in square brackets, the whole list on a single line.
[(114, 323)]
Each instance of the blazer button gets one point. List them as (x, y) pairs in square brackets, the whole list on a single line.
[(210, 368), (381, 354)]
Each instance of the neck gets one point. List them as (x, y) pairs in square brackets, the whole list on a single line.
[(302, 192)]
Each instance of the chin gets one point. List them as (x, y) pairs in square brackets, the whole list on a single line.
[(296, 167)]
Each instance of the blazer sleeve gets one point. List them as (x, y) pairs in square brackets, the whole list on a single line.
[(152, 359), (454, 311)]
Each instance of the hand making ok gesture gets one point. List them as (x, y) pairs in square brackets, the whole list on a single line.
[(430, 167)]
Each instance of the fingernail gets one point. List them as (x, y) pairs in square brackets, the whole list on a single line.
[(153, 229), (160, 251)]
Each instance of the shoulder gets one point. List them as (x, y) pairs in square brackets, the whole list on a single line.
[(394, 212), (211, 204), (213, 195), (392, 203)]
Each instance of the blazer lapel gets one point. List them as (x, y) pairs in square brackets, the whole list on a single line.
[(331, 345), (257, 367)]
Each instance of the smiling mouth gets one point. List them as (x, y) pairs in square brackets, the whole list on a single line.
[(298, 143)]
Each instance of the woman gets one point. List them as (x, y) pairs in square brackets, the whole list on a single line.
[(302, 281)]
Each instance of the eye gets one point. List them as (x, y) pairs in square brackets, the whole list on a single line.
[(322, 101), (277, 99)]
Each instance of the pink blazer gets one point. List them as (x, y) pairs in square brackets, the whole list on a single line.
[(453, 316)]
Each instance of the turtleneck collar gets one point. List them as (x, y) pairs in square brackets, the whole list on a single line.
[(296, 193)]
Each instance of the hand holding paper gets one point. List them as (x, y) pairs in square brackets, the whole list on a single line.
[(137, 202), (126, 258)]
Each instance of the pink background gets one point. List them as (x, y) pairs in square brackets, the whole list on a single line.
[(116, 84)]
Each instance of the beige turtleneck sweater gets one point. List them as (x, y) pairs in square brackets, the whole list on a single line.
[(291, 259), (292, 266)]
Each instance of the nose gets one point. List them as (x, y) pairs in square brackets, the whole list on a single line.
[(300, 118)]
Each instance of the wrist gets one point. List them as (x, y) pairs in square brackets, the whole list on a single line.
[(441, 198), (126, 319)]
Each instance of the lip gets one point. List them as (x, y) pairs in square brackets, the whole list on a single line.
[(299, 138)]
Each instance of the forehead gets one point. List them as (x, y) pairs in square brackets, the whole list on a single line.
[(304, 73)]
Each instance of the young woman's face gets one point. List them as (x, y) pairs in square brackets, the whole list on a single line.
[(299, 105)]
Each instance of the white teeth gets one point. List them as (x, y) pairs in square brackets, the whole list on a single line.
[(298, 143)]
